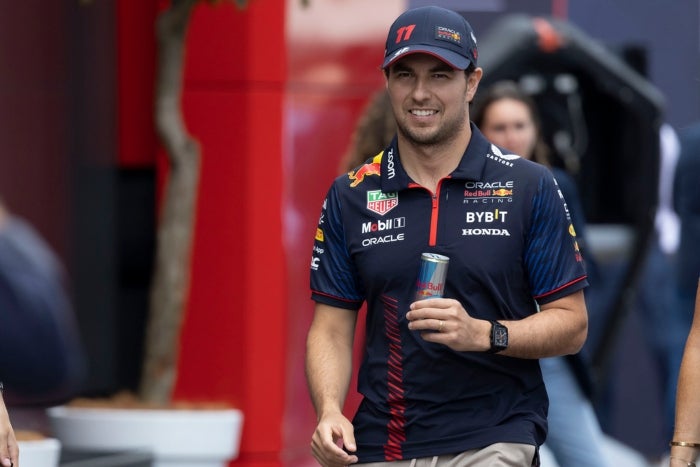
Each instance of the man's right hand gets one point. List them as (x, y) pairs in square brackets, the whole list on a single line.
[(332, 433)]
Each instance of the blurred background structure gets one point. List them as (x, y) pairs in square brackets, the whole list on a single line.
[(272, 93)]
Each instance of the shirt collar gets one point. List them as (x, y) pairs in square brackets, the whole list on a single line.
[(471, 166)]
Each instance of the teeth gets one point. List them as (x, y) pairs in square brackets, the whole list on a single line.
[(422, 113)]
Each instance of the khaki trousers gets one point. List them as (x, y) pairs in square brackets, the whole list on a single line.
[(495, 455)]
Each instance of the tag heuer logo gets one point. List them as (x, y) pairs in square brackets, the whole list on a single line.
[(381, 203)]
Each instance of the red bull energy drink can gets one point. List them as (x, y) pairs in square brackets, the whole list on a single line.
[(431, 276)]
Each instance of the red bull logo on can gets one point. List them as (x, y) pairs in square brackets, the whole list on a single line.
[(431, 276), (429, 289)]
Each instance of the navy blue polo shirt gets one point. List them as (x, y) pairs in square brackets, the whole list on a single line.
[(503, 222)]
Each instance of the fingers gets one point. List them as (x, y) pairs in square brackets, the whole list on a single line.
[(433, 303), (429, 325), (331, 455), (9, 454), (327, 443), (14, 453), (7, 446)]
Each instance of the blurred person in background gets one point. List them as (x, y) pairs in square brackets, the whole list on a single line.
[(374, 130), (664, 325), (509, 118), (41, 357), (663, 322)]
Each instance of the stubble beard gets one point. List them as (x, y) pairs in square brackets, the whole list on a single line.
[(426, 137)]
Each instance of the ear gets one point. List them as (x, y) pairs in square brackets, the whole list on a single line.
[(473, 83)]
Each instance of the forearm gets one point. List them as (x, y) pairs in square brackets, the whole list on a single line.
[(328, 367), (685, 447), (559, 328), (544, 335), (687, 426)]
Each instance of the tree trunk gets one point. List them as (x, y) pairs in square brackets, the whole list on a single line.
[(170, 281)]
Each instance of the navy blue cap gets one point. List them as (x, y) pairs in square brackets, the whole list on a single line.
[(433, 30)]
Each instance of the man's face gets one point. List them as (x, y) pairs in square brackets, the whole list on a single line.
[(430, 99)]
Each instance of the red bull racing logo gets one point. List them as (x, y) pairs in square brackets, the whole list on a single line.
[(489, 192)]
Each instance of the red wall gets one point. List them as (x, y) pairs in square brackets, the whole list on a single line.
[(233, 341)]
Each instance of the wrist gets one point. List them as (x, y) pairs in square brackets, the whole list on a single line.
[(498, 337), (678, 461)]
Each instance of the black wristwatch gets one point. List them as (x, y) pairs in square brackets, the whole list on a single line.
[(499, 337)]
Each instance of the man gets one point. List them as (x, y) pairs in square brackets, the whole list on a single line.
[(450, 381)]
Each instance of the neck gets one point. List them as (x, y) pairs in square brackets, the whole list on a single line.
[(428, 164)]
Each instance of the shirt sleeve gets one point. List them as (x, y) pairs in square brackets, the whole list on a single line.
[(552, 257), (334, 278)]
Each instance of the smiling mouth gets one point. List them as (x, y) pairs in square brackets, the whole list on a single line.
[(423, 113)]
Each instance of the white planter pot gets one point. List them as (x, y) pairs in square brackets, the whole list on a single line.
[(39, 453), (175, 438)]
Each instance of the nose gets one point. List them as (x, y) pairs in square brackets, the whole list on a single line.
[(420, 90)]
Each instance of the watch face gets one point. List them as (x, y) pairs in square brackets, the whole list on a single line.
[(500, 336)]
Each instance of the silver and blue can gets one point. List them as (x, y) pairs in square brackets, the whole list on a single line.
[(431, 276)]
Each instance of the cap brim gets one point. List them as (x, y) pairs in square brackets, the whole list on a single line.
[(453, 59)]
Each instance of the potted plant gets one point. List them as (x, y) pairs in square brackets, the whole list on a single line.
[(202, 436)]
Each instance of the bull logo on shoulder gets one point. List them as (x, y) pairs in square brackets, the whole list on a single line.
[(371, 168)]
